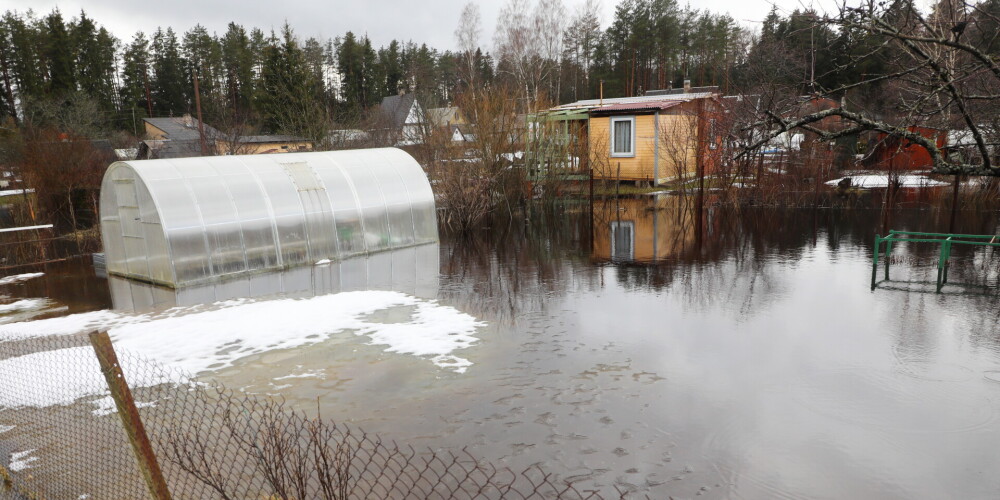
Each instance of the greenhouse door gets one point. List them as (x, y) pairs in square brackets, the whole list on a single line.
[(127, 199), (321, 230)]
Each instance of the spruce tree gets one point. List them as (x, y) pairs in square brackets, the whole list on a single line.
[(169, 81), (59, 55)]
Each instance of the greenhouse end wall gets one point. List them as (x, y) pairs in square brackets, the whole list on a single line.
[(189, 221)]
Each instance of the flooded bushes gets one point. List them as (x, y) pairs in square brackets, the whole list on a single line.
[(477, 178)]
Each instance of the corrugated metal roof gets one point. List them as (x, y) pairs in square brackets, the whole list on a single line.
[(594, 103), (707, 88), (638, 106), (182, 128), (271, 138)]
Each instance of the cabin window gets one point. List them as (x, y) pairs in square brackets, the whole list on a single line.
[(622, 241), (623, 136), (712, 143)]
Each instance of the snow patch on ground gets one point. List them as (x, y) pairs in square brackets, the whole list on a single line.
[(5, 428), (196, 340), (212, 340), (19, 277), (23, 305), (305, 374), (106, 405), (435, 331), (11, 192), (882, 180), (21, 460), (64, 325), (62, 376)]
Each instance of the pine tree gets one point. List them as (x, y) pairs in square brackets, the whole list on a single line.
[(8, 103), (287, 96), (95, 62), (391, 69), (135, 77), (59, 55), (238, 63), (203, 57), (26, 48), (169, 82)]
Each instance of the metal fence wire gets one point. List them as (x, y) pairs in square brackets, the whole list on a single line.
[(61, 437)]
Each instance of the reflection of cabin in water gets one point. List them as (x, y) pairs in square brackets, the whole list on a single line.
[(642, 229)]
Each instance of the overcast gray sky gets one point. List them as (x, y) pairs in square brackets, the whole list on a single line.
[(423, 21)]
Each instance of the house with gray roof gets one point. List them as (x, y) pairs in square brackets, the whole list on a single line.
[(176, 137), (404, 118)]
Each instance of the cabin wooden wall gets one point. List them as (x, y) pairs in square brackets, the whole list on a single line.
[(678, 148)]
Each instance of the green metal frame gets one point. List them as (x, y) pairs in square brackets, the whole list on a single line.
[(944, 239)]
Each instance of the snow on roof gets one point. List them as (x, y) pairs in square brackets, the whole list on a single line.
[(638, 106), (127, 153), (594, 103)]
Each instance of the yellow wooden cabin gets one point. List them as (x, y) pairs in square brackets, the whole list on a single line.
[(648, 139), (262, 144), (652, 141)]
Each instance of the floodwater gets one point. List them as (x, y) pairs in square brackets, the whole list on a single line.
[(633, 344)]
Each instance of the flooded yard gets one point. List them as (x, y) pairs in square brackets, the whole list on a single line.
[(629, 343)]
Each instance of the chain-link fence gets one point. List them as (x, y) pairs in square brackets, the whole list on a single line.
[(61, 436)]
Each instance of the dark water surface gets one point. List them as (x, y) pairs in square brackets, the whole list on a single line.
[(732, 355)]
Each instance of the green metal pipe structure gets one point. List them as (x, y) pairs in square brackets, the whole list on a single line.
[(946, 240)]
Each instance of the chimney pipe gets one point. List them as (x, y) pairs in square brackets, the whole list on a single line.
[(687, 86)]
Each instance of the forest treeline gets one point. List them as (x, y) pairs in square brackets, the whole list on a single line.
[(72, 73)]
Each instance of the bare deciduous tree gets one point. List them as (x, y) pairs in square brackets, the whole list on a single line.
[(529, 45), (938, 79), (467, 36)]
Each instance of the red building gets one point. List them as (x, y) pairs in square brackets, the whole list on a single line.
[(889, 152)]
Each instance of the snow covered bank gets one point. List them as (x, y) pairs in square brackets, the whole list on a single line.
[(199, 339), (19, 277), (868, 181), (211, 340), (62, 376), (195, 340), (23, 305), (12, 192)]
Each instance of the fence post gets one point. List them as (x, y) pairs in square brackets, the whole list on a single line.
[(942, 262), (129, 415), (888, 251), (878, 244), (947, 261)]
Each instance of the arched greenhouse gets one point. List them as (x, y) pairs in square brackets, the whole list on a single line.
[(187, 221)]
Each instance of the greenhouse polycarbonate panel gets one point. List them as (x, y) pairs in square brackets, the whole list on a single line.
[(256, 221), (411, 270), (344, 203), (190, 221), (397, 208)]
